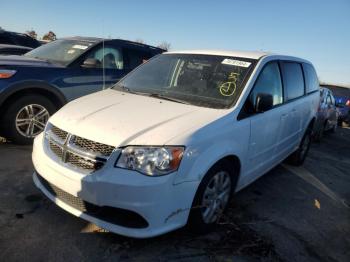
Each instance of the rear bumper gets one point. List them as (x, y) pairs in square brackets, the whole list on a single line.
[(163, 205)]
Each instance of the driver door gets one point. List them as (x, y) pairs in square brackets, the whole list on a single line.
[(108, 70)]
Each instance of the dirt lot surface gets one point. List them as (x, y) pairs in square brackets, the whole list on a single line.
[(290, 214)]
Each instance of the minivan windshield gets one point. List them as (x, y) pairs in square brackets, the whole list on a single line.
[(61, 51), (202, 80)]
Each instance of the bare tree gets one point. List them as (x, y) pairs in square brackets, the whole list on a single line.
[(165, 45), (50, 36), (139, 40), (32, 33)]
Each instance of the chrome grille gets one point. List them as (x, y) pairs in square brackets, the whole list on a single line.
[(59, 133), (76, 151), (83, 162), (57, 150), (89, 145)]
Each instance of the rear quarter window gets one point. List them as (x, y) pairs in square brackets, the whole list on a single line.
[(311, 79), (293, 80)]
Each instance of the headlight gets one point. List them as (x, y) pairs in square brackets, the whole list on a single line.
[(151, 161)]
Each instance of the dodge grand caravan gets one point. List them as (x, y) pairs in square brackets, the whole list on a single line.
[(172, 141)]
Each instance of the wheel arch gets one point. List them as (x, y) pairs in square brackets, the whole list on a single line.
[(31, 87), (232, 160)]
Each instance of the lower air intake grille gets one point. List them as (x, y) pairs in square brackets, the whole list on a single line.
[(117, 216)]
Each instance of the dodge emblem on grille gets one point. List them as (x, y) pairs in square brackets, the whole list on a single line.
[(65, 153)]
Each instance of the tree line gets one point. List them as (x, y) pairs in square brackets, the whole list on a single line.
[(51, 36)]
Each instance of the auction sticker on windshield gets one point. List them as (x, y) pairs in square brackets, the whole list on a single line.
[(233, 62)]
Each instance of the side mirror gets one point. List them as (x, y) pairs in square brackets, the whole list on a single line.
[(263, 102), (91, 63)]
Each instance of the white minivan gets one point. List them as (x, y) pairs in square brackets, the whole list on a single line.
[(172, 141)]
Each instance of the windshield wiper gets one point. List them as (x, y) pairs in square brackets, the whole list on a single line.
[(168, 98), (155, 95)]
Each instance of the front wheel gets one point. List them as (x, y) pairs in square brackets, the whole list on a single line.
[(212, 197), (26, 117)]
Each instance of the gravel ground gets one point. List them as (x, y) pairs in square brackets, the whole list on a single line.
[(290, 214)]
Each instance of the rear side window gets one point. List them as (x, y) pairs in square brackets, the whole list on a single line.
[(135, 57), (293, 79), (311, 79)]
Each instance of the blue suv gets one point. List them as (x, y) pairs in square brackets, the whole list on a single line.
[(34, 86)]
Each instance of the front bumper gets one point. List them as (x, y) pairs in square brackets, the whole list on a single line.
[(163, 205)]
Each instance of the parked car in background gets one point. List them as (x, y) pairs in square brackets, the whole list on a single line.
[(173, 140), (18, 39), (14, 49), (343, 106), (327, 114), (34, 86), (342, 100)]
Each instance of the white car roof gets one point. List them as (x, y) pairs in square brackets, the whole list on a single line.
[(245, 54)]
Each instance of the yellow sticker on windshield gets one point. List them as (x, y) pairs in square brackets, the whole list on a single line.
[(229, 88)]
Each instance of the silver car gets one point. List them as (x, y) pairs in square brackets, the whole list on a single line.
[(327, 114)]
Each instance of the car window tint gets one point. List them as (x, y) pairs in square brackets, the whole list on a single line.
[(328, 101), (4, 39), (134, 57), (109, 57), (293, 80), (268, 82), (333, 100), (24, 40), (311, 79)]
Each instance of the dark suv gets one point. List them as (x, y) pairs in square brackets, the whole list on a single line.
[(13, 38), (12, 43), (34, 86)]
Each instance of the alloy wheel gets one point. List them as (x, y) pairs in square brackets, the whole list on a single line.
[(31, 120), (216, 196)]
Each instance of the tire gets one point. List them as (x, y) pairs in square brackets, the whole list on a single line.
[(298, 157), (319, 135), (198, 223), (333, 129), (26, 111)]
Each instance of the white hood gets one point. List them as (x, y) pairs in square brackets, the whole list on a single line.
[(117, 118)]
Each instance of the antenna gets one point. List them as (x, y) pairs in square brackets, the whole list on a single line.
[(103, 56), (103, 64)]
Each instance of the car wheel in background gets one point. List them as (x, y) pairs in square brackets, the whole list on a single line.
[(333, 129), (212, 197), (26, 117)]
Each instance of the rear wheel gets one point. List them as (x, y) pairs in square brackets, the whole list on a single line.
[(298, 157), (333, 129), (212, 197), (26, 117), (319, 134)]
